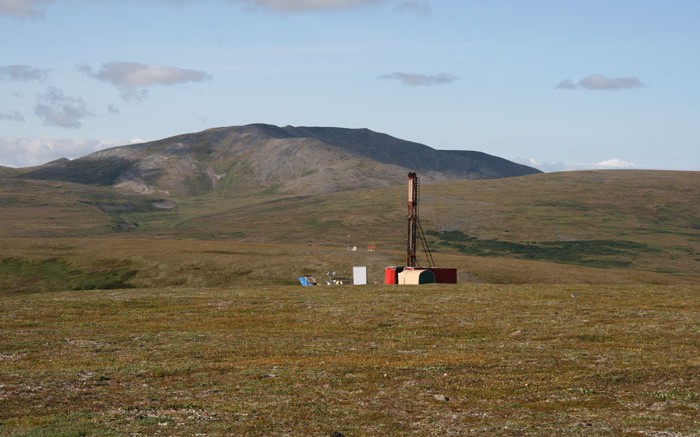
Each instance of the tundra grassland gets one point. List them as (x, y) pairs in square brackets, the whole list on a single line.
[(577, 310), (56, 264), (367, 360), (601, 227)]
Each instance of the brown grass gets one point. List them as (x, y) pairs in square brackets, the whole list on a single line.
[(214, 339), (375, 360)]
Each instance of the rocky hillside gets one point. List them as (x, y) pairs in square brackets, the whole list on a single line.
[(259, 157)]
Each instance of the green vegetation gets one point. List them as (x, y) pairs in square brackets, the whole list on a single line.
[(373, 360), (198, 184), (103, 171), (594, 253), (321, 225), (587, 227), (273, 189), (18, 274), (639, 221)]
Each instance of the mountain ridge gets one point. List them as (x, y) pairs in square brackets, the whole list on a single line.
[(255, 157)]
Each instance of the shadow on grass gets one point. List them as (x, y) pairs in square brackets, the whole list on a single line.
[(592, 253), (23, 275)]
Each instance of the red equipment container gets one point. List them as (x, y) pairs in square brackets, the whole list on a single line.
[(391, 275), (444, 275)]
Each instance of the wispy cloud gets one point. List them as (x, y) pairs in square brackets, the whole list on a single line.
[(13, 116), (600, 82), (294, 6), (55, 108), (414, 79), (23, 72), (133, 79), (32, 8), (21, 8), (27, 152), (566, 84), (415, 7)]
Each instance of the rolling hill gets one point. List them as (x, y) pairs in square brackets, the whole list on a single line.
[(599, 227), (8, 171), (260, 157)]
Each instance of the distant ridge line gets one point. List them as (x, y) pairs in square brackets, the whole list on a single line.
[(254, 157)]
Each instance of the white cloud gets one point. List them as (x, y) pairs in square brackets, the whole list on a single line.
[(414, 79), (54, 108), (28, 152), (21, 8), (133, 78), (23, 72), (548, 167), (615, 163)]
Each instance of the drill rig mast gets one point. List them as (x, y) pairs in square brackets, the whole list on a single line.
[(415, 231)]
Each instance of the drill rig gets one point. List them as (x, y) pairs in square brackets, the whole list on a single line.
[(415, 230), (412, 273)]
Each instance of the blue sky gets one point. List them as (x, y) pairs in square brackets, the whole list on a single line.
[(563, 84)]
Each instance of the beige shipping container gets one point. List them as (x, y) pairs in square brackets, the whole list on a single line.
[(416, 277)]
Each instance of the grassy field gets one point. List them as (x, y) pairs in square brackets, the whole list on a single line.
[(577, 311), (56, 264), (372, 360), (580, 227)]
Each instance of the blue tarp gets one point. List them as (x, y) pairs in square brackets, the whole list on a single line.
[(307, 281)]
